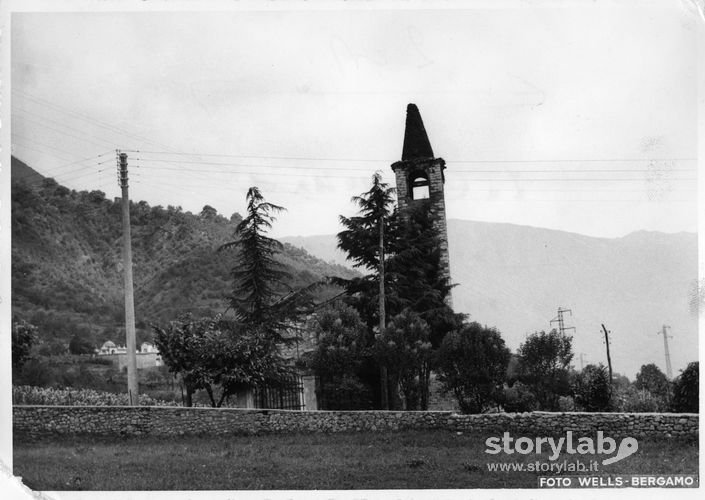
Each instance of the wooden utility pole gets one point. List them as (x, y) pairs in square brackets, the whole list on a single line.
[(582, 361), (607, 344), (663, 332), (382, 323), (132, 385)]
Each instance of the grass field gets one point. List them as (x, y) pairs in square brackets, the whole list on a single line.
[(419, 460)]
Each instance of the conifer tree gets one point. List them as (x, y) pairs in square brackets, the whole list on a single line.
[(257, 274), (260, 298), (361, 241)]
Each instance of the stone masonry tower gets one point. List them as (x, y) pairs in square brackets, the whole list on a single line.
[(419, 176)]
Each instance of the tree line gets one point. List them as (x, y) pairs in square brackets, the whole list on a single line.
[(380, 342)]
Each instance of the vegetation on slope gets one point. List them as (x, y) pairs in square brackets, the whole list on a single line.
[(67, 262)]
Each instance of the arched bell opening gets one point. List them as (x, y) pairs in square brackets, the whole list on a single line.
[(419, 186)]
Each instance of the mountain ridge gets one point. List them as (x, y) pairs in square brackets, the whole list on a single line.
[(516, 277)]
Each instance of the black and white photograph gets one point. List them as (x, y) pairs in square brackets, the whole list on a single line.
[(351, 249)]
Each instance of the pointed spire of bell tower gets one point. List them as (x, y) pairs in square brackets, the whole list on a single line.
[(420, 180), (416, 144)]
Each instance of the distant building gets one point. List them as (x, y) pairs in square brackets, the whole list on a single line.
[(109, 347), (146, 347)]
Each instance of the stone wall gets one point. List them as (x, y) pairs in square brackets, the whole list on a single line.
[(37, 421)]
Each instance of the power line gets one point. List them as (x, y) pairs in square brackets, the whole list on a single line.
[(16, 136), (329, 176), (331, 168), (387, 160), (86, 118), (102, 144), (60, 124)]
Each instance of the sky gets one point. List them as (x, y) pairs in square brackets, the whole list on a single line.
[(579, 118)]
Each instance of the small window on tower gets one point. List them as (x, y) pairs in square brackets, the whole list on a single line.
[(419, 188)]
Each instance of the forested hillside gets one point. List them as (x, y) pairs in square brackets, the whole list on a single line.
[(67, 262)]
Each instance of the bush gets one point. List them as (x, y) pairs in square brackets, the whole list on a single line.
[(24, 336), (544, 359), (566, 403), (346, 393), (29, 395), (652, 379), (472, 364), (685, 390), (340, 359), (518, 398), (36, 373), (593, 389), (404, 348), (633, 400), (98, 360)]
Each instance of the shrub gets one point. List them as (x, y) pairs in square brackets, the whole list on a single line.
[(519, 398), (566, 403), (30, 395), (472, 364), (340, 359), (652, 379), (592, 389), (404, 347), (633, 400), (543, 365), (685, 390)]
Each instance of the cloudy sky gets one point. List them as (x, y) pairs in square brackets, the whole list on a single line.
[(579, 118)]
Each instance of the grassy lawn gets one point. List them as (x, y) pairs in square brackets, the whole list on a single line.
[(410, 459)]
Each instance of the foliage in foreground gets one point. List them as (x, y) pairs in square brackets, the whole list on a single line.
[(24, 336), (544, 366), (593, 391), (404, 346), (472, 364), (29, 395), (341, 359), (686, 389), (219, 356)]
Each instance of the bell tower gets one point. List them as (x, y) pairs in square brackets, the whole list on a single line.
[(420, 179)]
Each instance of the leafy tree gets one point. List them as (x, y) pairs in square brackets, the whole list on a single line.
[(404, 347), (620, 381), (652, 379), (38, 373), (24, 336), (686, 389), (472, 364), (544, 361), (214, 354), (208, 212), (80, 344), (361, 237), (518, 398), (340, 360), (592, 388)]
